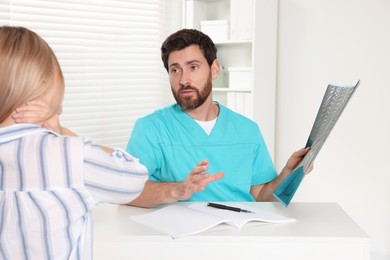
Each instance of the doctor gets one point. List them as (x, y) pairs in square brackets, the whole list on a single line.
[(170, 141)]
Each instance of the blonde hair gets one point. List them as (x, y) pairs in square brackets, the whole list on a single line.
[(28, 68)]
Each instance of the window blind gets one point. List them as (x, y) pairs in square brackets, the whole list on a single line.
[(109, 51)]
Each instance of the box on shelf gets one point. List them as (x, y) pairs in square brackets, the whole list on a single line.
[(240, 77), (217, 30), (241, 103)]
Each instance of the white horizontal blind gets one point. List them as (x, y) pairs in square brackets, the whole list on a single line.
[(109, 51)]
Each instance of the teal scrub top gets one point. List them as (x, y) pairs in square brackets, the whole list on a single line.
[(170, 144)]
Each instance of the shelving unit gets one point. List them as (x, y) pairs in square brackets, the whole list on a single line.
[(251, 43)]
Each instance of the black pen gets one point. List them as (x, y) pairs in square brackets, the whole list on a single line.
[(220, 206)]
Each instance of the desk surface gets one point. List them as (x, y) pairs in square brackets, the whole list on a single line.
[(322, 230)]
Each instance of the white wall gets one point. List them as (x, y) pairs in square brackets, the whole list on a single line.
[(339, 41)]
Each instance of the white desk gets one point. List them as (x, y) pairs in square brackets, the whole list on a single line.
[(322, 231)]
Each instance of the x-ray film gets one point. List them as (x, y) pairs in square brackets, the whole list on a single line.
[(332, 105)]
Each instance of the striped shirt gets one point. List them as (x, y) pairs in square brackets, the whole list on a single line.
[(49, 185)]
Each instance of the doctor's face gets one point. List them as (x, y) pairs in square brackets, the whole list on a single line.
[(190, 77)]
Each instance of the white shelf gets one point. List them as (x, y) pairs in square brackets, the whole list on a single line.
[(239, 90), (233, 42), (235, 51)]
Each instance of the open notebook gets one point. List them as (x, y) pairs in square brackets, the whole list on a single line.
[(180, 220)]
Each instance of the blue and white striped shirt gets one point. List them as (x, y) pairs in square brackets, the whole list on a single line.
[(49, 185)]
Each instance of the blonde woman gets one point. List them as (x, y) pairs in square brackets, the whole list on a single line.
[(50, 180)]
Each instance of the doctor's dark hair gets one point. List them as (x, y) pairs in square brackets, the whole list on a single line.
[(185, 38)]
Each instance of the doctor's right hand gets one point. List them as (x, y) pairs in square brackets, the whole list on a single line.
[(196, 181)]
